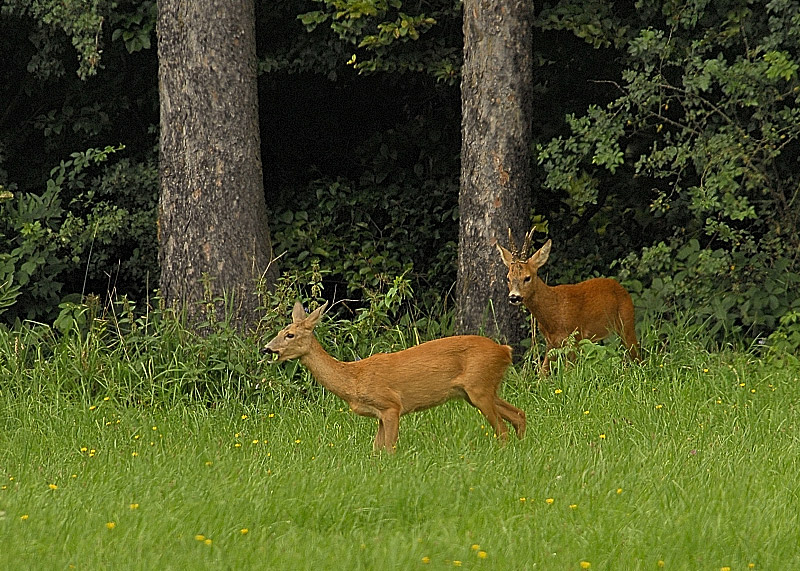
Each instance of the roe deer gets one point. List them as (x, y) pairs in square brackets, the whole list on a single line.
[(388, 385), (592, 309)]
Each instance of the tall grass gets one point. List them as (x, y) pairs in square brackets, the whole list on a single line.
[(163, 449)]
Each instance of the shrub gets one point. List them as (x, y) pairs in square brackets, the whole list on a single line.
[(81, 230)]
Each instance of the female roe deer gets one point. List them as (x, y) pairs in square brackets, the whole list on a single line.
[(388, 385), (592, 309)]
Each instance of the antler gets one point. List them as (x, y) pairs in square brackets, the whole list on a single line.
[(511, 245), (527, 245), (520, 254)]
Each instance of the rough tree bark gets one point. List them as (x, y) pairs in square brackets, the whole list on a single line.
[(496, 106), (212, 212)]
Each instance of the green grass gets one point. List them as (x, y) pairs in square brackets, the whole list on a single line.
[(689, 461)]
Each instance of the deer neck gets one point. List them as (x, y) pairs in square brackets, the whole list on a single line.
[(329, 372), (543, 302)]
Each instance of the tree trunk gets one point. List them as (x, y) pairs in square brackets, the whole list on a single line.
[(496, 106), (212, 214)]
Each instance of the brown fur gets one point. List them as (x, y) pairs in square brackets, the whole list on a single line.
[(388, 385), (593, 309)]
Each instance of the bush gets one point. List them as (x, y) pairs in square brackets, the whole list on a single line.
[(105, 233)]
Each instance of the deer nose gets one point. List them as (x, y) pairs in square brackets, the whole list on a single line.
[(267, 351), (514, 298)]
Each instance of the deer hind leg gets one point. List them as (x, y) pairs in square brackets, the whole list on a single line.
[(486, 404), (512, 414), (626, 329), (632, 344)]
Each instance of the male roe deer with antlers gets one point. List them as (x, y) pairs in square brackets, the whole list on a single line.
[(592, 309), (388, 385)]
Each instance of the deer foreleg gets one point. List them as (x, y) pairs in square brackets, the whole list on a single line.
[(545, 368), (379, 437), (389, 429)]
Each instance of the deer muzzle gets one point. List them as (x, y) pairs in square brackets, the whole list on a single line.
[(270, 354), (514, 298)]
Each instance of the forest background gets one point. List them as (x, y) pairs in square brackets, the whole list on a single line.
[(665, 152)]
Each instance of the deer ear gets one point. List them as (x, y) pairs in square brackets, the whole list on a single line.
[(504, 254), (541, 255), (314, 316), (298, 313)]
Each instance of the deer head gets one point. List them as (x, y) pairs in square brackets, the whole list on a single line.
[(522, 273), (294, 340)]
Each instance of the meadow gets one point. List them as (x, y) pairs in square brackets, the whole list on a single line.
[(686, 461)]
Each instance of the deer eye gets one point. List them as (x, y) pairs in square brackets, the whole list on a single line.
[(290, 335), (527, 279)]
